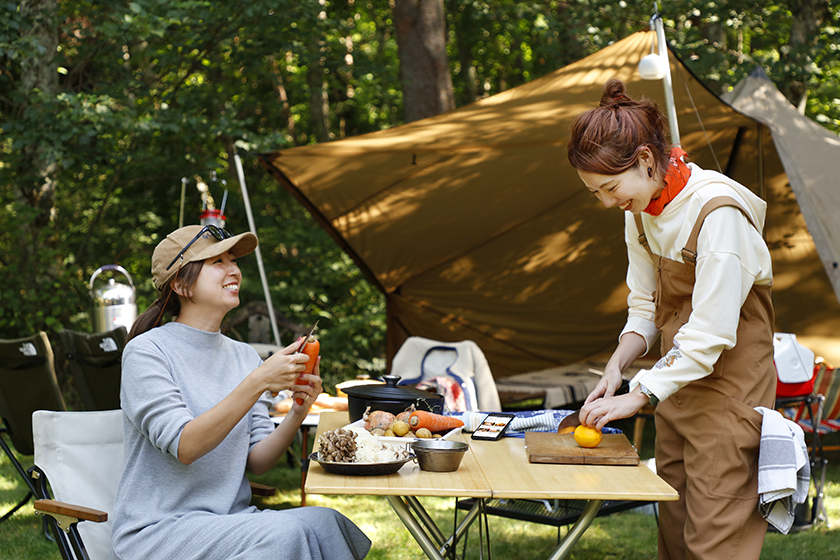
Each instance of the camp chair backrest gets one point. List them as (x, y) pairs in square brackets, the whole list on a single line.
[(82, 455), (420, 359), (94, 361), (27, 384)]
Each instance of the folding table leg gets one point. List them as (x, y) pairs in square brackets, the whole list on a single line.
[(304, 463), (414, 527), (435, 551), (577, 530)]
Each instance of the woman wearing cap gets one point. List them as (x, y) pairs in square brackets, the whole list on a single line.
[(700, 274), (196, 419)]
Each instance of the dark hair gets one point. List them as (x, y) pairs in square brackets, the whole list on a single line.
[(166, 304), (609, 139)]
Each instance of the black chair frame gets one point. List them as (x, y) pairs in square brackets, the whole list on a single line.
[(813, 404), (68, 540)]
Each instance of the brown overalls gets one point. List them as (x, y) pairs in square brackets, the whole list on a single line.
[(707, 433)]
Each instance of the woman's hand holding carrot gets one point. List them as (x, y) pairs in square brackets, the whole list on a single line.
[(308, 387), (280, 371)]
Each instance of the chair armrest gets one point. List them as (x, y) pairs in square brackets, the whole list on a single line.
[(258, 489), (50, 507)]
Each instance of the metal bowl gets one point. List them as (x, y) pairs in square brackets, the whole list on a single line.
[(439, 455)]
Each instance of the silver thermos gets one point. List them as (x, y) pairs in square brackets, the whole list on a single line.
[(114, 305)]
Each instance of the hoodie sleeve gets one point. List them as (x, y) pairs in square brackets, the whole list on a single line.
[(727, 267)]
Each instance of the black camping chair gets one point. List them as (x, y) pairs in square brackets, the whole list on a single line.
[(27, 384), (94, 361)]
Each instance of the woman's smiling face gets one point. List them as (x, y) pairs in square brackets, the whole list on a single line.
[(218, 283), (631, 190)]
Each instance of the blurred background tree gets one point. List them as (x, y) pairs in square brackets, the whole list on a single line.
[(106, 106)]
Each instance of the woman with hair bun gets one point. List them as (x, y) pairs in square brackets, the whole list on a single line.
[(699, 274)]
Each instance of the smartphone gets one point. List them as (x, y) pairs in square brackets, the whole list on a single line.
[(493, 426)]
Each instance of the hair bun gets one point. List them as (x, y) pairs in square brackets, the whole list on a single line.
[(615, 94)]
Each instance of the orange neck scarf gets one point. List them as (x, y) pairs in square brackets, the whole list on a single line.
[(676, 178)]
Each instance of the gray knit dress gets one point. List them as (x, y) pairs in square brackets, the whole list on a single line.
[(167, 510)]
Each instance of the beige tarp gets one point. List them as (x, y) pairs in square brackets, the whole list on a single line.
[(475, 226)]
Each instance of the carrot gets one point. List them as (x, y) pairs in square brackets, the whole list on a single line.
[(433, 422), (312, 348)]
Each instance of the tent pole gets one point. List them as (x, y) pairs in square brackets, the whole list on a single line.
[(762, 193), (241, 174), (761, 190), (666, 81)]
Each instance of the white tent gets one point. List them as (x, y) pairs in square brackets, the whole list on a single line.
[(810, 157)]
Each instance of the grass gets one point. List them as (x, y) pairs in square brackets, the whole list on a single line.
[(627, 535)]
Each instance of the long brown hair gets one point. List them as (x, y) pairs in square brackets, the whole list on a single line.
[(168, 304), (609, 139)]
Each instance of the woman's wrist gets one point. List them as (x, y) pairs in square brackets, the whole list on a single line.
[(647, 395)]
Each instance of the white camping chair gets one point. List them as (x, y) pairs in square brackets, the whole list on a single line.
[(422, 359), (81, 453)]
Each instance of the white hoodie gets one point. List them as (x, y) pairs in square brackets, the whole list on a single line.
[(732, 256)]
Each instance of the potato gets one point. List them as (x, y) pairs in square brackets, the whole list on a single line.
[(389, 433), (424, 433), (400, 428)]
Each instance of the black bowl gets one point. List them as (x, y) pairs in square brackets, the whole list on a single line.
[(390, 398), (361, 469)]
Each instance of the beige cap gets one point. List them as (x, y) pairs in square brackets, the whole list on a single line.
[(204, 247)]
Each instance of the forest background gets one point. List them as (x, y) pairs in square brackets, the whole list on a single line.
[(107, 107)]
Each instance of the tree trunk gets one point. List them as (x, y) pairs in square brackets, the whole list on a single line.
[(39, 71), (807, 19), (424, 66), (467, 73), (319, 106), (283, 99)]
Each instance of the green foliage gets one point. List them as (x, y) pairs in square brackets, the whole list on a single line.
[(723, 41), (152, 92)]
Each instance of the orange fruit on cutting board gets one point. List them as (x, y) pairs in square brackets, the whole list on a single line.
[(588, 437)]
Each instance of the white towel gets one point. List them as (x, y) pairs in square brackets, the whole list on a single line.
[(784, 470)]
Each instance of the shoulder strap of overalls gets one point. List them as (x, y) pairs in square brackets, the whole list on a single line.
[(689, 252), (642, 237)]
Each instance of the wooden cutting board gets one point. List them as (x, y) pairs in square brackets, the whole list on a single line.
[(543, 447)]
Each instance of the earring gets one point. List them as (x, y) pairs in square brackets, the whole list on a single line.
[(650, 172)]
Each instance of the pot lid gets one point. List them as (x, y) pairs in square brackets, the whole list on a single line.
[(390, 391)]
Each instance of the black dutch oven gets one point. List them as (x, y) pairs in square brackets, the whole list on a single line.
[(390, 398)]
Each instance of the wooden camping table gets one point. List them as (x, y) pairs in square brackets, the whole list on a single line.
[(497, 469)]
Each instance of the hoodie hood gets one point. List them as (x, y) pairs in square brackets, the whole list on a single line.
[(703, 177)]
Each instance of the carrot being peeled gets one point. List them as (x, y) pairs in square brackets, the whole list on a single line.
[(433, 422), (311, 349)]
